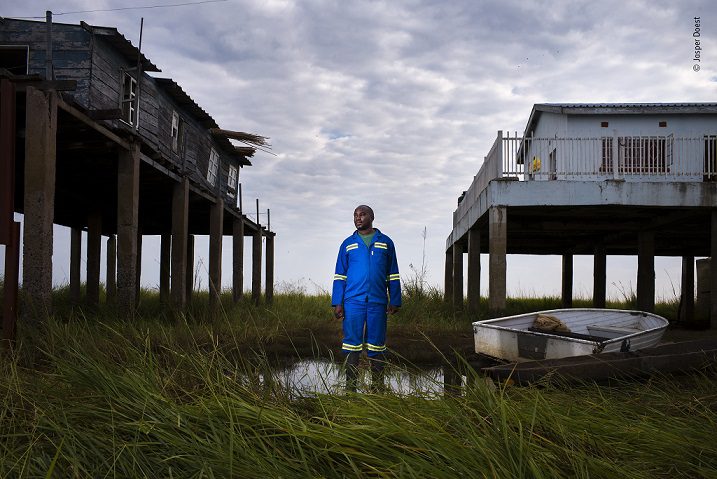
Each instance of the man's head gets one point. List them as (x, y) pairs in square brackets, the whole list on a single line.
[(363, 218)]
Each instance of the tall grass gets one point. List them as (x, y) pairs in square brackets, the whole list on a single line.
[(126, 401), (191, 396)]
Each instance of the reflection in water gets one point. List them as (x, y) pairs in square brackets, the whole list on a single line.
[(312, 376)]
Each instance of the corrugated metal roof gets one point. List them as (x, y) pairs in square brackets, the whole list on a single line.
[(184, 101), (618, 109), (627, 105), (120, 42)]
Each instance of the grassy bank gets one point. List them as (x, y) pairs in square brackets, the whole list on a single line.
[(118, 400), (188, 396)]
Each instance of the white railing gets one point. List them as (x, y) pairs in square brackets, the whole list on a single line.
[(639, 158)]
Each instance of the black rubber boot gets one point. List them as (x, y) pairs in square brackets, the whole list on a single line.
[(377, 366), (352, 363)]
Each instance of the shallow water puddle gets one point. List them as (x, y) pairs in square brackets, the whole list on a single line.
[(316, 376)]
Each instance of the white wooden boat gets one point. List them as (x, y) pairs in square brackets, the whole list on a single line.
[(584, 331)]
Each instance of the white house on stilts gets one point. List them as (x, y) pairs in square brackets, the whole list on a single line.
[(599, 179)]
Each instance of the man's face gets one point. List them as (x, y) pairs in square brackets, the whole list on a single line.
[(362, 219)]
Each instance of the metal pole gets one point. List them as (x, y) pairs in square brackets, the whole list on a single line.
[(268, 219), (139, 75), (257, 215)]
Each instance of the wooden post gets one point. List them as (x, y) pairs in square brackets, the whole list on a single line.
[(7, 160), (238, 259), (75, 264), (687, 290), (256, 267), (713, 270), (599, 276), (497, 247), (189, 272), (567, 280), (457, 276), (646, 271), (269, 268), (473, 270), (180, 232), (448, 277), (10, 285), (138, 268), (165, 259), (39, 202), (112, 269), (127, 229), (94, 255), (216, 222)]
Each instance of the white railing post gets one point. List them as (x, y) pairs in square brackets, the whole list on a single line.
[(499, 154), (615, 154)]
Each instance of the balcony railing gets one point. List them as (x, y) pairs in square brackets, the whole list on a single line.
[(615, 156)]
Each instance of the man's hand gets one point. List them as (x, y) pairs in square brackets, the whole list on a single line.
[(392, 309), (339, 311)]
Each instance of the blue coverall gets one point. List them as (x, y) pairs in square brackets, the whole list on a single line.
[(362, 279)]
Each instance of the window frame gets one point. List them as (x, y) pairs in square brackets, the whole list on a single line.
[(128, 103), (213, 167), (232, 180)]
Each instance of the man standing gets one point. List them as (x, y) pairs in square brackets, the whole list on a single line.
[(366, 270)]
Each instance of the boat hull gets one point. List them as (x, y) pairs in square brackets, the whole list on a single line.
[(510, 339)]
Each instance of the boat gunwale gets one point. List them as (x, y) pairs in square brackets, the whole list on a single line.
[(488, 324)]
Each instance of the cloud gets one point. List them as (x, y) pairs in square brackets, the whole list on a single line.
[(395, 104)]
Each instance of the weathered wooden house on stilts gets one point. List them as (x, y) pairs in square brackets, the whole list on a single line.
[(92, 142), (595, 179)]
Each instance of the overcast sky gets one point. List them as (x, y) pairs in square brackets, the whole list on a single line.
[(395, 104)]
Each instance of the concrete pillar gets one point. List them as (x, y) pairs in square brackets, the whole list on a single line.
[(256, 267), (687, 290), (599, 276), (704, 293), (473, 270), (75, 264), (127, 229), (448, 277), (238, 259), (713, 271), (457, 276), (165, 260), (646, 271), (216, 222), (94, 256), (497, 248), (111, 269), (269, 269), (180, 232), (567, 281), (39, 201), (189, 271)]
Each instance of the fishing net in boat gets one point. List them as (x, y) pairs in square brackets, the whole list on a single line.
[(548, 323)]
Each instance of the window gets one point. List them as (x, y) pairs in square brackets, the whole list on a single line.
[(14, 59), (232, 182), (177, 133), (213, 167), (129, 97), (637, 155)]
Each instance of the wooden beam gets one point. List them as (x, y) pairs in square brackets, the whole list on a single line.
[(92, 124)]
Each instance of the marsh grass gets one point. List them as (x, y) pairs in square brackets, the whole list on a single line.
[(132, 401), (195, 395)]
